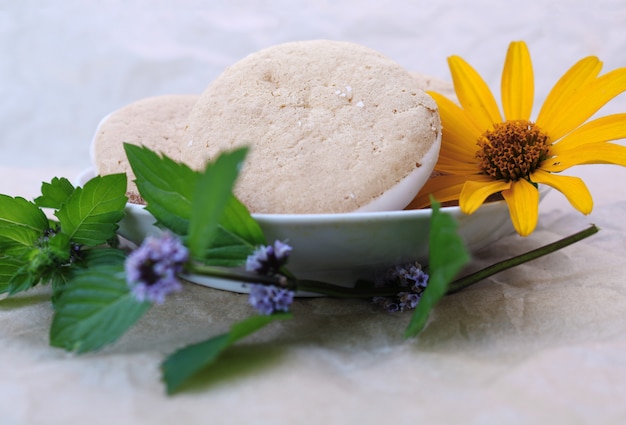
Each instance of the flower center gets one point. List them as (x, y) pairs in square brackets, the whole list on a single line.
[(512, 150)]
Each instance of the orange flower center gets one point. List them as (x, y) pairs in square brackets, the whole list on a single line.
[(512, 150)]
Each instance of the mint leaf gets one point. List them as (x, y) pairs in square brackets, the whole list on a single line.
[(95, 309), (91, 213), (227, 250), (237, 236), (447, 255), (22, 280), (165, 185), (22, 223), (182, 365), (212, 193), (102, 257), (55, 193), (9, 267), (237, 220)]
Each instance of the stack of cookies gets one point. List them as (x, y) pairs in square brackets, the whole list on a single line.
[(332, 127)]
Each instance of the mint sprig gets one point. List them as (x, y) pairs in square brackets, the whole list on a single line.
[(35, 250)]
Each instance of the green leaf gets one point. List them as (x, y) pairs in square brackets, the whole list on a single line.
[(165, 185), (22, 280), (102, 257), (237, 220), (212, 193), (236, 237), (182, 365), (55, 193), (227, 250), (447, 255), (9, 267), (95, 309), (91, 213), (22, 223)]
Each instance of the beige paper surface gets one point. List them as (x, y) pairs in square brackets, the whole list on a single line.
[(542, 343)]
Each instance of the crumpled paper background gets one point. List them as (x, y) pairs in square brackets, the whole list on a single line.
[(542, 343)]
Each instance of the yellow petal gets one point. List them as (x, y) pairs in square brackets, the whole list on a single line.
[(474, 94), (474, 193), (523, 202), (574, 189), (577, 77), (517, 85), (443, 188), (459, 134), (591, 153), (586, 102), (448, 166), (610, 127)]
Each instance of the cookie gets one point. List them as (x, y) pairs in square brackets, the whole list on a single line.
[(332, 127), (155, 122)]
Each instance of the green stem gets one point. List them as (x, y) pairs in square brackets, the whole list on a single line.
[(314, 286), (236, 275), (468, 280), (364, 289)]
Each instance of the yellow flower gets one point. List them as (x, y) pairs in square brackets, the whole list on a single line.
[(483, 154)]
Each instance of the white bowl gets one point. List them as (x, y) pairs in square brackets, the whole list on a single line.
[(342, 248)]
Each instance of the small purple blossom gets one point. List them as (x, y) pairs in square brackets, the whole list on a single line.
[(268, 259), (409, 276), (152, 269), (267, 299)]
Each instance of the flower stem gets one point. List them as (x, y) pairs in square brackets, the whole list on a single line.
[(361, 290), (232, 274), (470, 279), (365, 289)]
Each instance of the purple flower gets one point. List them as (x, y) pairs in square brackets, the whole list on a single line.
[(267, 299), (409, 276), (267, 260), (408, 300), (152, 269)]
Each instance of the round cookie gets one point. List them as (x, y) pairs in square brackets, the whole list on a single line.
[(332, 127), (155, 122)]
